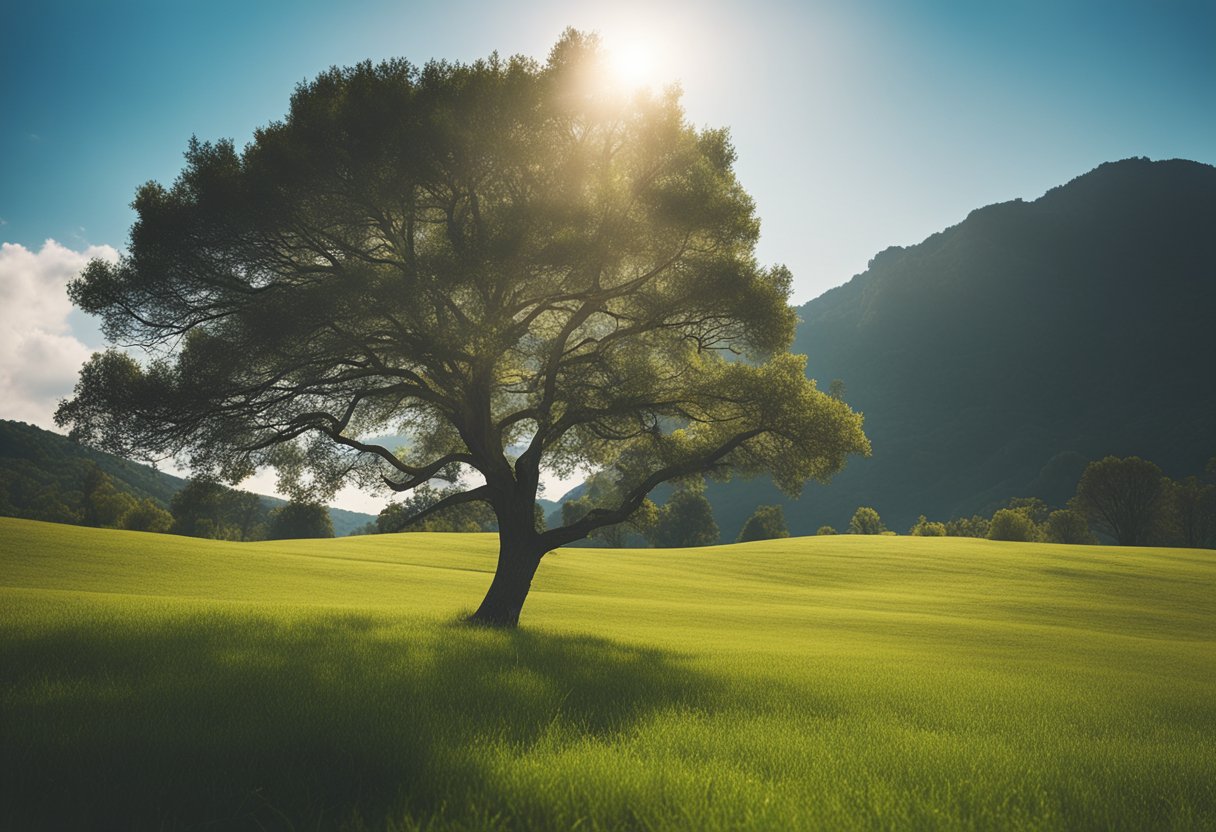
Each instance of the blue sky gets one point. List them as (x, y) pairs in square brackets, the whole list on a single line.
[(858, 125)]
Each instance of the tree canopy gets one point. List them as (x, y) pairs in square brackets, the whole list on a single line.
[(205, 508), (686, 520), (1012, 524), (1068, 526), (866, 521), (924, 527), (1121, 497), (766, 523), (514, 264), (296, 520)]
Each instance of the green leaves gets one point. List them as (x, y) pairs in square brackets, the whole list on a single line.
[(478, 256)]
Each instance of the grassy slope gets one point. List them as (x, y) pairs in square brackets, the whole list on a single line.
[(844, 682)]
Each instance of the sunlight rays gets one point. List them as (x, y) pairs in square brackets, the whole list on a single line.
[(633, 62)]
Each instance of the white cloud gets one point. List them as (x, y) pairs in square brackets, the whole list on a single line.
[(40, 355)]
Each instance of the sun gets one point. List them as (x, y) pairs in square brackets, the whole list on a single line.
[(632, 62)]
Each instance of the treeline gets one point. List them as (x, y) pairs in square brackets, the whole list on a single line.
[(45, 476), (204, 508), (686, 519), (1128, 501), (80, 493)]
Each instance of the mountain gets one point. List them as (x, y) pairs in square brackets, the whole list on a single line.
[(345, 522), (997, 357), (34, 463)]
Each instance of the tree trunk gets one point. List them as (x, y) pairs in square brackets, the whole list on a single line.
[(512, 580)]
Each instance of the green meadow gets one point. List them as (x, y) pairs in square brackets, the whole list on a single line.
[(160, 682)]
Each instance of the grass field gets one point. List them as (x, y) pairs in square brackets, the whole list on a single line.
[(158, 682)]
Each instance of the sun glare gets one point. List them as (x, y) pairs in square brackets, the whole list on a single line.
[(632, 62)]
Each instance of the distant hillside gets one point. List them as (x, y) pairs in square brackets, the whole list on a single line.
[(346, 522), (46, 458), (34, 460), (998, 356)]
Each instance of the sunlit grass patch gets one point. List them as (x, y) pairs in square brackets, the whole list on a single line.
[(158, 682)]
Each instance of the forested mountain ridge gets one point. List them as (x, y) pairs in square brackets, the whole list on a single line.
[(996, 357), (43, 458), (42, 472)]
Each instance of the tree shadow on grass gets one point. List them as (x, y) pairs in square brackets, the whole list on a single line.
[(230, 721)]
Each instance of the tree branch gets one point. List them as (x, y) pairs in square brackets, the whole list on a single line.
[(426, 472), (482, 492), (630, 503)]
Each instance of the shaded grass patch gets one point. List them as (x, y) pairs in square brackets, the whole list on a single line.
[(153, 719)]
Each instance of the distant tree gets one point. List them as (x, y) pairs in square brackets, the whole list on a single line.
[(866, 521), (205, 508), (766, 523), (519, 264), (1011, 524), (108, 505), (1035, 509), (1188, 513), (1121, 497), (927, 528), (246, 513), (50, 505), (146, 516), (1067, 526), (45, 476), (94, 484), (825, 530), (102, 504), (299, 520), (973, 526), (686, 520), (836, 389), (197, 509)]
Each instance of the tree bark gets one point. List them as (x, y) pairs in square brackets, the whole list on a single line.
[(519, 553), (517, 562)]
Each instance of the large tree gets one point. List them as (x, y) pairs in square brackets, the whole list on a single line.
[(299, 520), (1122, 497), (687, 520), (512, 263), (766, 523)]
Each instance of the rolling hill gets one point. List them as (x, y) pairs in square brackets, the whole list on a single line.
[(850, 682)]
